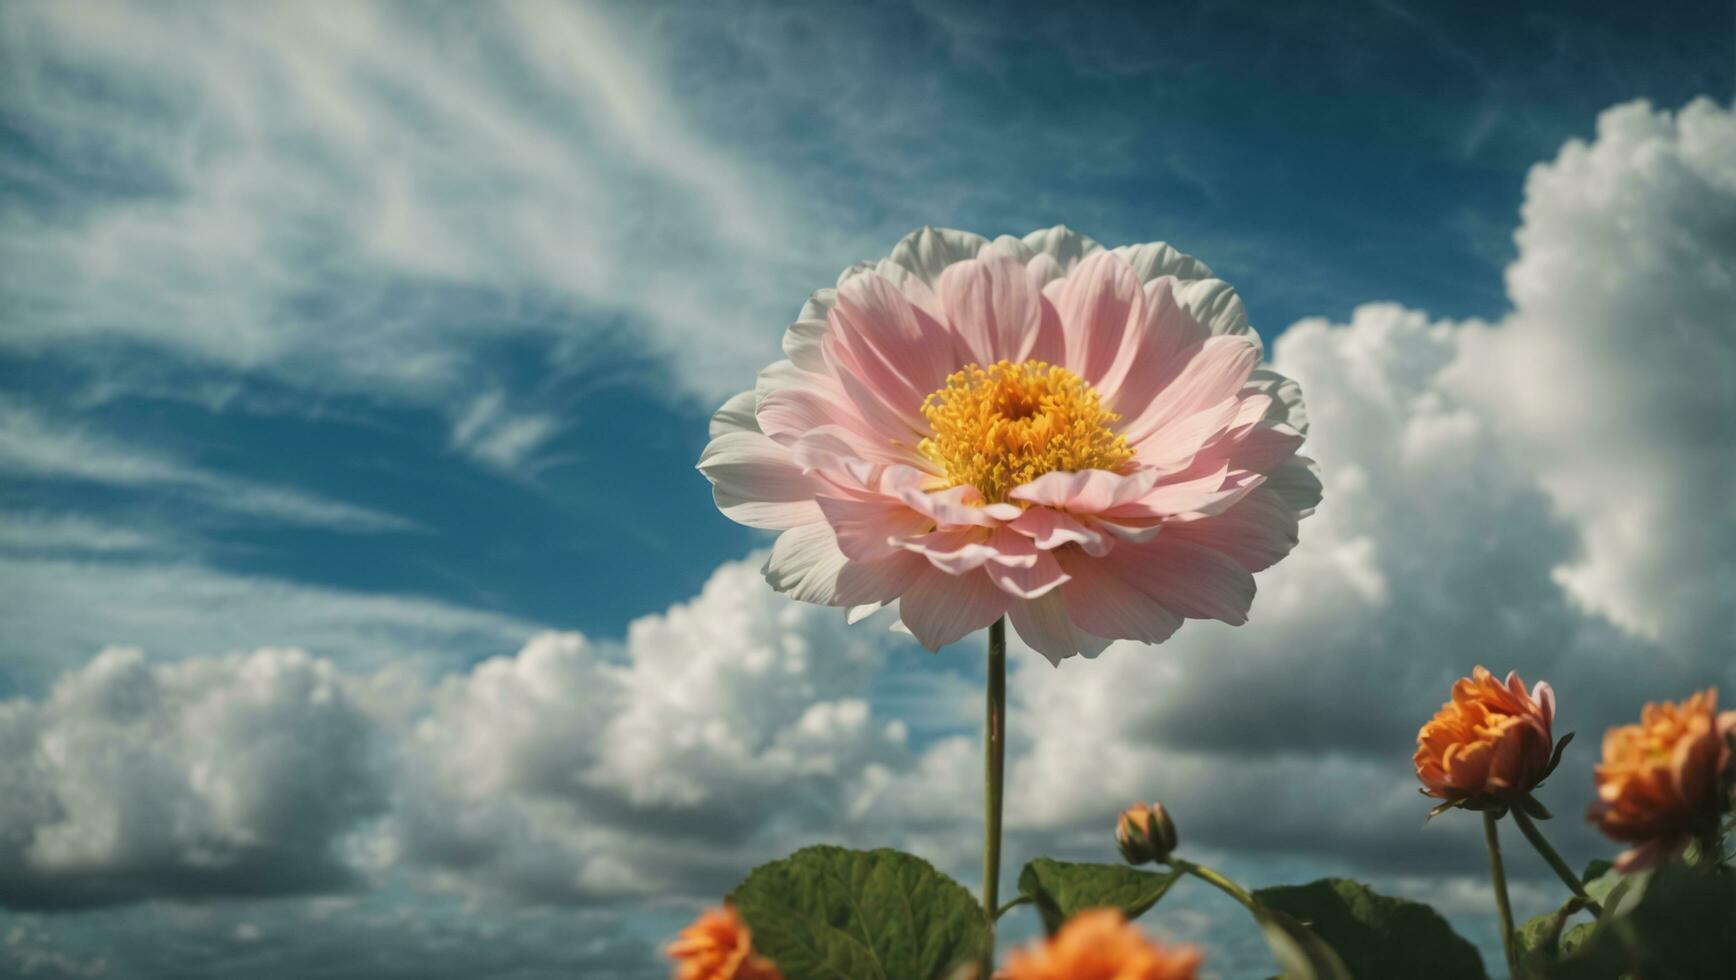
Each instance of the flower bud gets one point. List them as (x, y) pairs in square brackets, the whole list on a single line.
[(1145, 833)]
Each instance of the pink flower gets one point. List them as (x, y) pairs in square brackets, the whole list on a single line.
[(1073, 437)]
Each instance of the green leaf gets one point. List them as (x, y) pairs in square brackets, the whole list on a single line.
[(830, 913), (1595, 869), (1378, 936), (1682, 925), (1062, 889), (1301, 953)]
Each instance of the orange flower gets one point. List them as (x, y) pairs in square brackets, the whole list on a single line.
[(1100, 944), (1489, 745), (718, 946), (1658, 784)]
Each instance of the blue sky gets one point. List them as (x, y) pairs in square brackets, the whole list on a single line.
[(390, 332)]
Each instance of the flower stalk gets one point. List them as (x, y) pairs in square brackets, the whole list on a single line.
[(994, 764), (1217, 881), (1556, 864), (1498, 877)]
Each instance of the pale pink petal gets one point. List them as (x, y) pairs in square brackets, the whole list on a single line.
[(992, 307), (954, 506), (939, 608), (1061, 245), (1214, 373), (1257, 532), (954, 550), (1262, 446), (791, 414), (1154, 260), (1097, 303), (806, 565), (756, 482), (1051, 529), (1206, 493), (1103, 603), (886, 352), (868, 528), (1086, 491), (1184, 576), (927, 252), (1044, 625), (735, 415), (1178, 444), (1029, 582), (802, 339)]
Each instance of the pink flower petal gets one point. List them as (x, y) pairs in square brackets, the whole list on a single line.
[(1039, 578), (806, 565), (887, 353), (1051, 529), (1097, 303), (756, 482), (1085, 491), (1044, 625), (1215, 372), (867, 529), (1256, 532), (1103, 603), (992, 307), (939, 608), (1183, 576)]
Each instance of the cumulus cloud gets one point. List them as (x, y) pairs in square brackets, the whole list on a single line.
[(718, 731), (1616, 373), (238, 775)]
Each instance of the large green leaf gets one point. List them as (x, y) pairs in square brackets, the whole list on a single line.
[(830, 913), (1062, 889), (1300, 952), (1375, 935), (1681, 927)]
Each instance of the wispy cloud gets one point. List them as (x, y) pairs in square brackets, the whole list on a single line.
[(34, 445), (499, 437), (361, 198)]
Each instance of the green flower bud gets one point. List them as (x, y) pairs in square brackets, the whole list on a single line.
[(1145, 834)]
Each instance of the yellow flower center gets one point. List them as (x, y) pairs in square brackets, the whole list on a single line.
[(998, 427)]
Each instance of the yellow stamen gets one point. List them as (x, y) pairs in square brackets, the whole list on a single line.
[(998, 427)]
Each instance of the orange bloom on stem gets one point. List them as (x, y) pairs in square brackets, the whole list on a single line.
[(1490, 745), (718, 946), (1659, 784), (1100, 944)]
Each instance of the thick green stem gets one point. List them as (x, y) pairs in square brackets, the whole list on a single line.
[(994, 763), (1217, 881), (1498, 876), (1562, 871)]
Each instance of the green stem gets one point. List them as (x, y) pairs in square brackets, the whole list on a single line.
[(994, 764), (1012, 904), (1498, 876), (1562, 871), (1217, 881)]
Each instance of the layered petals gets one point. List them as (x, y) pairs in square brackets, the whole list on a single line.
[(1490, 745), (1660, 783), (1111, 462)]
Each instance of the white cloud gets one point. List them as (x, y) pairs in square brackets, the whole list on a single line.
[(58, 608), (368, 198), (491, 433), (39, 447), (721, 727), (1616, 373), (236, 775)]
